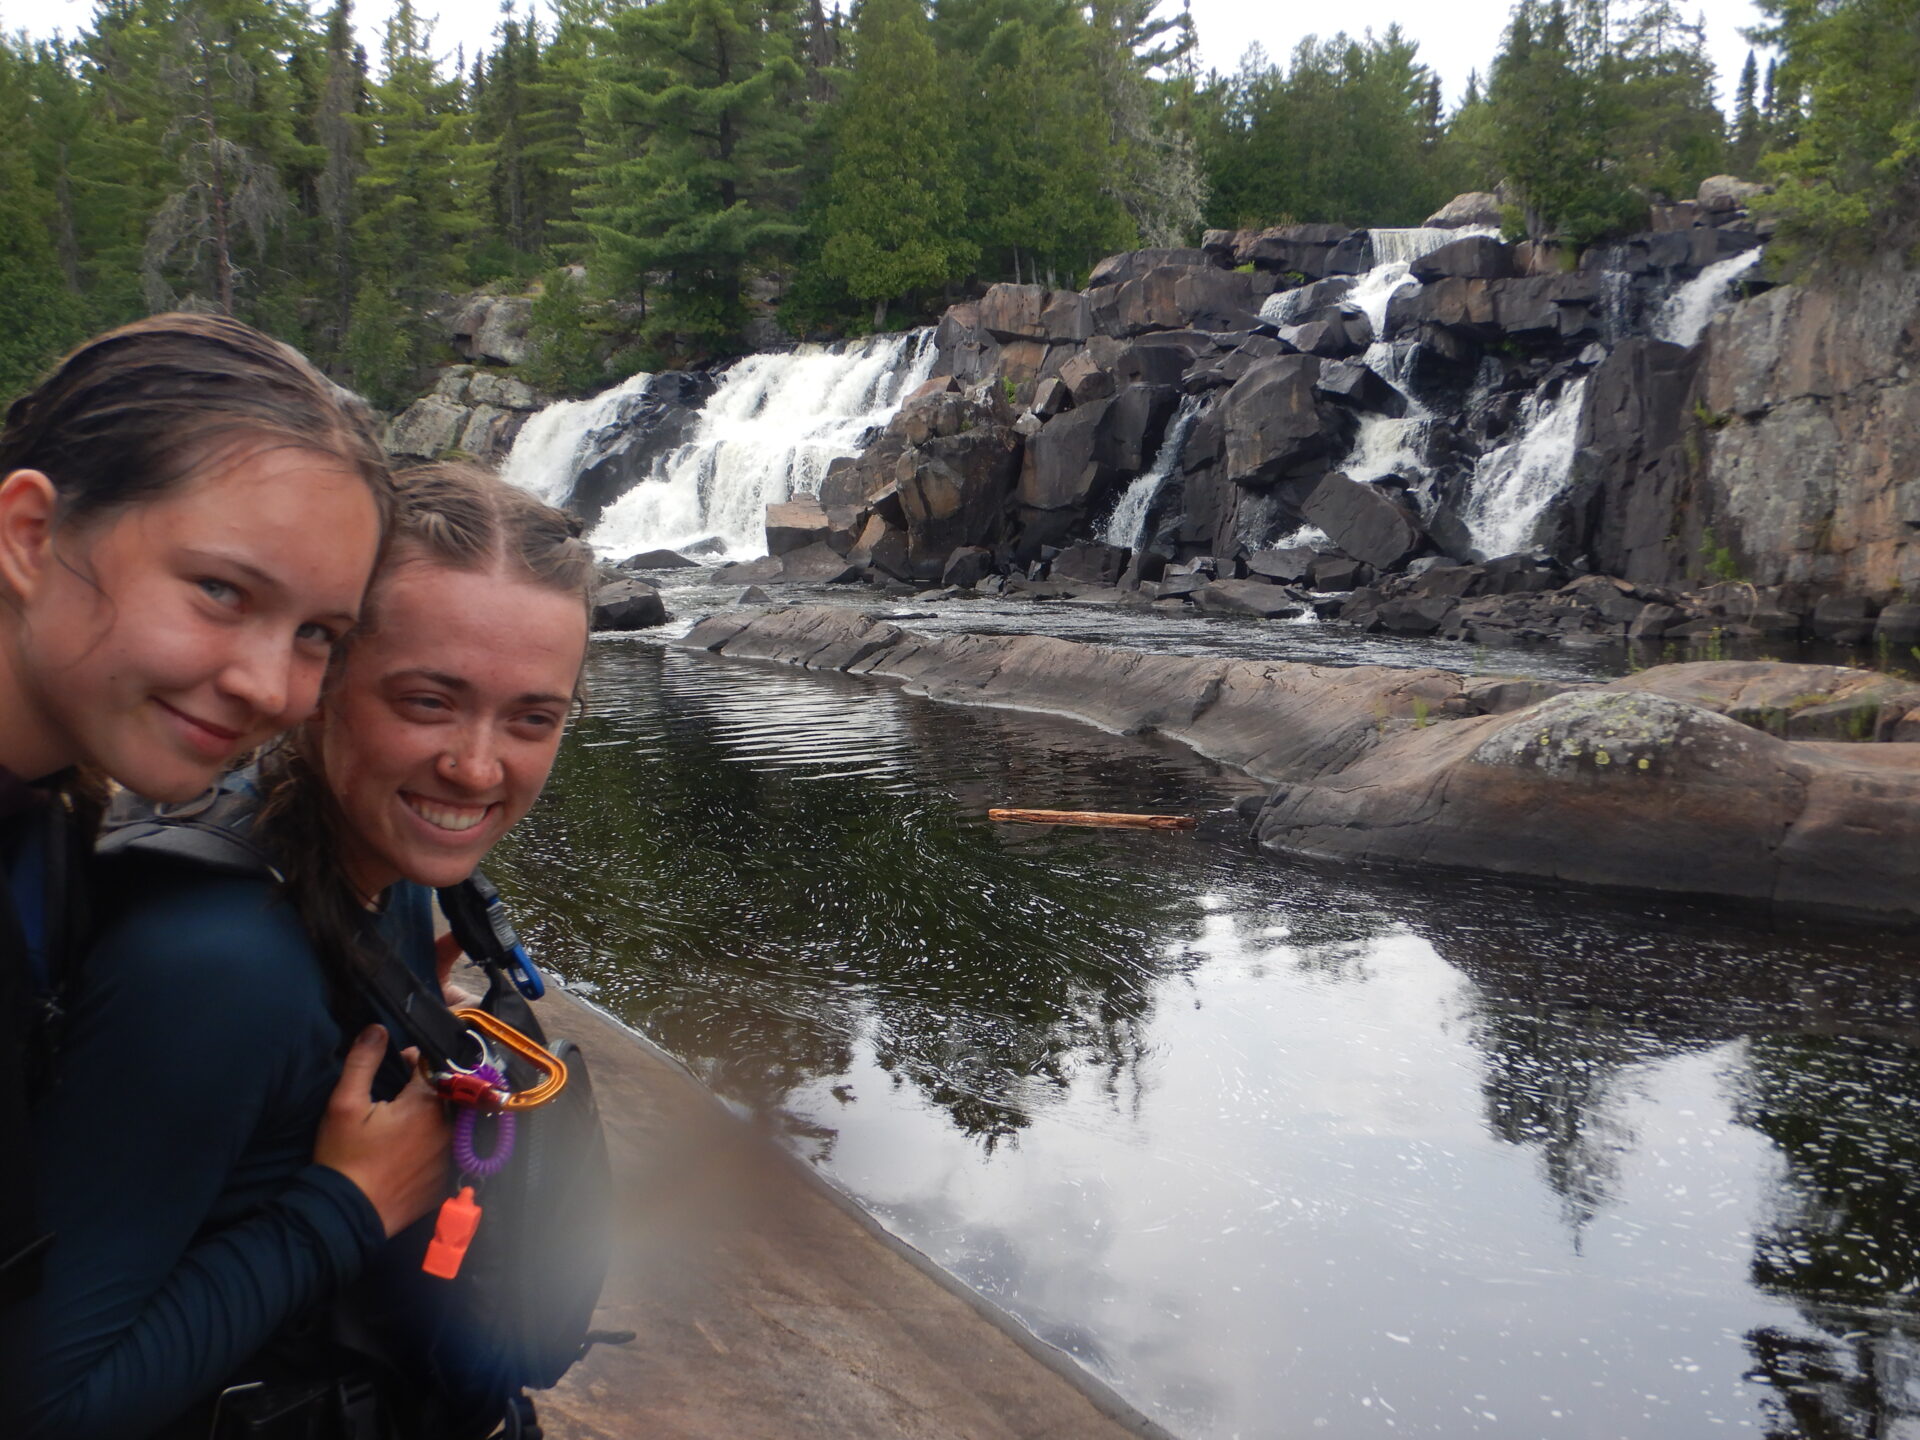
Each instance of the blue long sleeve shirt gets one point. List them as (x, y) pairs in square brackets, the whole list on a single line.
[(175, 1155)]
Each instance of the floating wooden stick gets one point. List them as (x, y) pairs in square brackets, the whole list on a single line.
[(1096, 817)]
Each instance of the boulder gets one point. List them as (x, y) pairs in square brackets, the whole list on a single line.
[(1364, 521), (1132, 264), (1338, 572), (1050, 397), (1329, 339), (1066, 319), (1130, 433), (488, 432), (1085, 380), (1063, 467), (1355, 383), (1092, 563), (1313, 251), (659, 560), (1012, 312), (1249, 597), (501, 338), (794, 524), (627, 605), (953, 492), (1272, 423), (1286, 567), (882, 547), (818, 564), (1472, 257), (967, 566), (503, 391), (1477, 208), (1719, 193), (760, 571), (1898, 625), (753, 595), (426, 429)]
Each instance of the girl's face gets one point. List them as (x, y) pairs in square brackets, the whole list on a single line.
[(161, 642), (438, 732)]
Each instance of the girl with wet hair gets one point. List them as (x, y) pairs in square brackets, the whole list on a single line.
[(189, 515), (436, 729)]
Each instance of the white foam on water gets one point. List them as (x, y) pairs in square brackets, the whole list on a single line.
[(1513, 484), (1685, 316)]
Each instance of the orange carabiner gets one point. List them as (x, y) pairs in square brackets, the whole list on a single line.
[(552, 1068)]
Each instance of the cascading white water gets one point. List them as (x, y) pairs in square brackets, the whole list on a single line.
[(1128, 523), (768, 432), (1384, 445), (1416, 242), (1513, 484), (551, 447), (1685, 316)]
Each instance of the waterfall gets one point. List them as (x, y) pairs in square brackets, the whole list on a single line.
[(1685, 317), (1127, 525), (1403, 247), (1513, 484), (768, 432), (552, 445)]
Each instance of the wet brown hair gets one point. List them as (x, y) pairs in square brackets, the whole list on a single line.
[(463, 517), (130, 414)]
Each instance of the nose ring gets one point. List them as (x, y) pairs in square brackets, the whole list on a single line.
[(453, 762)]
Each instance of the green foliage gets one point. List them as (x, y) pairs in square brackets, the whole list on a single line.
[(1843, 108), (1718, 560), (378, 351), (694, 141), (894, 221), (563, 342), (1349, 132)]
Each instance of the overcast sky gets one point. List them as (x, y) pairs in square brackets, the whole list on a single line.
[(1455, 36)]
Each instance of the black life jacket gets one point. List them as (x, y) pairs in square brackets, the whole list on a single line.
[(44, 853), (449, 1358)]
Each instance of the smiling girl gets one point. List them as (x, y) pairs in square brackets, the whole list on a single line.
[(438, 726), (189, 514)]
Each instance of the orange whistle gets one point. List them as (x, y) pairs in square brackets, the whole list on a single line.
[(452, 1233)]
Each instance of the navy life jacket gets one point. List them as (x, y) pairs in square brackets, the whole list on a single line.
[(43, 915), (447, 1358)]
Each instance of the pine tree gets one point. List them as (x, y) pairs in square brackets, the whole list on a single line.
[(222, 80), (896, 208), (694, 140), (1748, 128), (1845, 120), (417, 198), (44, 312)]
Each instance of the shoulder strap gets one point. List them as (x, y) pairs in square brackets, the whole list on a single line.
[(214, 831)]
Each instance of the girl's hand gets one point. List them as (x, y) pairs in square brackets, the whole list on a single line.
[(394, 1150)]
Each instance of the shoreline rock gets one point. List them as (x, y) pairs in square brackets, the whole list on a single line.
[(1635, 784)]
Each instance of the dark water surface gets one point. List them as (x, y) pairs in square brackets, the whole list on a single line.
[(1277, 1149)]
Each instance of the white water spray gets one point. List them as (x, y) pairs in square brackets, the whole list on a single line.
[(1514, 484), (552, 446), (1685, 317), (1128, 524)]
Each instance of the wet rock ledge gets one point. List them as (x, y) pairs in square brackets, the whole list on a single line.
[(1683, 779)]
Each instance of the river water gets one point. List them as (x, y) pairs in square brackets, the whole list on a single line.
[(1276, 1149)]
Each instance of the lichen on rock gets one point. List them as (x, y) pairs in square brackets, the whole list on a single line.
[(1609, 733)]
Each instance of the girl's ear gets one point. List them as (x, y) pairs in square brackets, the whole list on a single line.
[(28, 503)]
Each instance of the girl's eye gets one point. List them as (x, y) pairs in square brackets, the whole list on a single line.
[(317, 634), (219, 591), (426, 704)]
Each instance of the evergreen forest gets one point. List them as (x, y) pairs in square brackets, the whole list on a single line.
[(658, 172)]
